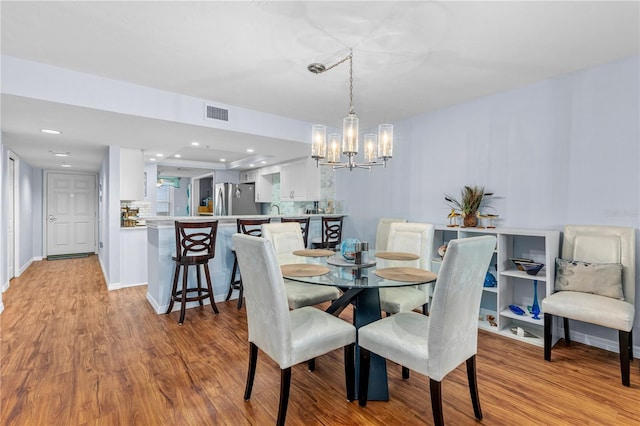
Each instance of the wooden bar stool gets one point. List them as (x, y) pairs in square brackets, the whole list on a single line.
[(195, 246), (247, 227), (331, 233), (304, 226)]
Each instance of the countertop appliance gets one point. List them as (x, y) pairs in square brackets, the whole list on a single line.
[(235, 199)]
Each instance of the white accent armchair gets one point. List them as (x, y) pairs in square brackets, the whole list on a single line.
[(287, 337), (414, 238), (435, 345), (601, 245), (287, 238)]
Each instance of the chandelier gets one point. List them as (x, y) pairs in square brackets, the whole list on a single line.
[(321, 149)]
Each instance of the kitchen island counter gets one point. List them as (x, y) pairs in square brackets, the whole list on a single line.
[(161, 247)]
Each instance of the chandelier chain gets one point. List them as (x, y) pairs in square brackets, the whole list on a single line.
[(351, 83)]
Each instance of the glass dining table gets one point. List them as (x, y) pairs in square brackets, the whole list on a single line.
[(360, 285)]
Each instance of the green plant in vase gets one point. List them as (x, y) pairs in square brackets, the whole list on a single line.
[(472, 199)]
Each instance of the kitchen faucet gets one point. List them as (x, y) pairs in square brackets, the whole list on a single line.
[(276, 206)]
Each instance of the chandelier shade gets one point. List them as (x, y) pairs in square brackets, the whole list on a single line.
[(328, 153)]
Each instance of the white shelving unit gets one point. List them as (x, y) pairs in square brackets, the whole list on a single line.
[(513, 286)]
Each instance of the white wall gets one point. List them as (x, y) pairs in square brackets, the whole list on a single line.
[(560, 151), (24, 221), (4, 281)]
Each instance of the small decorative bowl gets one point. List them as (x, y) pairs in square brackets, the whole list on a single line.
[(532, 268), (517, 261), (527, 265)]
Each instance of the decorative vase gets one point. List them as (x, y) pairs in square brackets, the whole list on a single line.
[(535, 308), (470, 220)]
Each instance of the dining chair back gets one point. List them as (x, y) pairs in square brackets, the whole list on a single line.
[(610, 247), (417, 239), (287, 337), (286, 238), (382, 231), (437, 344), (304, 226)]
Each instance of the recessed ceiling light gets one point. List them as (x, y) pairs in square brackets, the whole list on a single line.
[(177, 155), (263, 162), (159, 155), (252, 165), (51, 131), (152, 159), (65, 165), (249, 150), (195, 143), (60, 154), (222, 160)]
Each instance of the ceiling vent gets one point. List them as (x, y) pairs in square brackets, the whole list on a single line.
[(215, 113)]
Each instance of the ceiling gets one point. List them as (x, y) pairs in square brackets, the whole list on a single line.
[(409, 58)]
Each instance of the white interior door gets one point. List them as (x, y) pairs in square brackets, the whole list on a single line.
[(71, 214), (11, 242)]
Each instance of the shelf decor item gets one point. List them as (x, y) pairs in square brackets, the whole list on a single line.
[(535, 308), (472, 199)]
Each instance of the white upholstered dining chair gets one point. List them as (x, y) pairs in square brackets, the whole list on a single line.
[(414, 238), (382, 231), (595, 283), (435, 345), (287, 238), (289, 337)]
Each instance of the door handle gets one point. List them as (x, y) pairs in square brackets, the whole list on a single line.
[(51, 218)]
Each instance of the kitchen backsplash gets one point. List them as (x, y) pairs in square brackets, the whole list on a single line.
[(327, 194)]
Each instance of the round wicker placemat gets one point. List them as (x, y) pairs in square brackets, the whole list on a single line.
[(396, 255), (303, 270), (406, 274), (314, 252)]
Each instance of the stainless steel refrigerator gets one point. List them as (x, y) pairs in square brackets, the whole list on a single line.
[(235, 199)]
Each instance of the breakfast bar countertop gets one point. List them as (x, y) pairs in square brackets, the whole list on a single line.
[(223, 220)]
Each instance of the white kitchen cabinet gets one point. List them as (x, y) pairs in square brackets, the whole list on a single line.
[(300, 181), (263, 188), (248, 176), (513, 287), (131, 174)]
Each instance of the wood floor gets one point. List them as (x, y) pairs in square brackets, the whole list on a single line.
[(74, 353)]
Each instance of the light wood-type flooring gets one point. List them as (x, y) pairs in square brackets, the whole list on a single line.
[(74, 353)]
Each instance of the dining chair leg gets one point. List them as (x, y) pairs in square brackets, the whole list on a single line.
[(567, 335), (285, 385), (363, 387), (350, 371), (623, 340), (436, 402), (233, 277), (174, 288), (199, 283), (240, 293), (548, 323), (210, 288), (631, 345), (473, 386), (251, 372), (405, 373), (183, 301), (311, 364)]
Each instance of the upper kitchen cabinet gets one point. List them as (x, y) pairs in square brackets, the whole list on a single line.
[(263, 188), (300, 181), (131, 174), (248, 176)]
